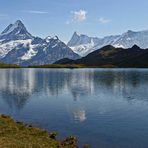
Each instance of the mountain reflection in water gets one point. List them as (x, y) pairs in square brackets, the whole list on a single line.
[(105, 104)]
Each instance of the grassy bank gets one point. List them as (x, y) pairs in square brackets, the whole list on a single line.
[(18, 135), (4, 65), (71, 66), (58, 66)]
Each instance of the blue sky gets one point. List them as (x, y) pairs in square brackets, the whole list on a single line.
[(63, 17)]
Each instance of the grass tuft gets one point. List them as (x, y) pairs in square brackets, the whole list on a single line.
[(18, 135)]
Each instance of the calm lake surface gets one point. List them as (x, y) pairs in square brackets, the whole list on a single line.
[(105, 108)]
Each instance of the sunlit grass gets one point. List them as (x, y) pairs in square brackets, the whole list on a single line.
[(18, 135)]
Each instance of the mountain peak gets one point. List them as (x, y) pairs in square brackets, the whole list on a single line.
[(49, 38), (11, 27), (55, 38), (130, 31), (108, 47), (19, 23), (135, 47), (75, 34), (74, 39), (78, 39), (15, 31)]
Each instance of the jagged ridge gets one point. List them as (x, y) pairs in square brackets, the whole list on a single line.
[(18, 46), (83, 45)]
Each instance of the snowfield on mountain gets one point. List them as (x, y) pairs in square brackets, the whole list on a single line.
[(18, 46), (83, 45)]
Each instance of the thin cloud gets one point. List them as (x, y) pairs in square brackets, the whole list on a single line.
[(77, 16), (103, 20), (36, 12)]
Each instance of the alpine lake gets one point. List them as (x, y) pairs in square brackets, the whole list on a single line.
[(101, 107)]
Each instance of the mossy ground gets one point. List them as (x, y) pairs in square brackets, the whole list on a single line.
[(18, 135)]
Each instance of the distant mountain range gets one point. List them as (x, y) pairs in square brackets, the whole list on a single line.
[(83, 45), (110, 56), (18, 46)]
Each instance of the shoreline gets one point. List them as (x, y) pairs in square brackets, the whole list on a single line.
[(68, 66), (18, 134)]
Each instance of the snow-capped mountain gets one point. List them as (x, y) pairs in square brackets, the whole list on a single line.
[(18, 46), (83, 45), (16, 31)]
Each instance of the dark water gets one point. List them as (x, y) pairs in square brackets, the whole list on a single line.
[(106, 108)]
